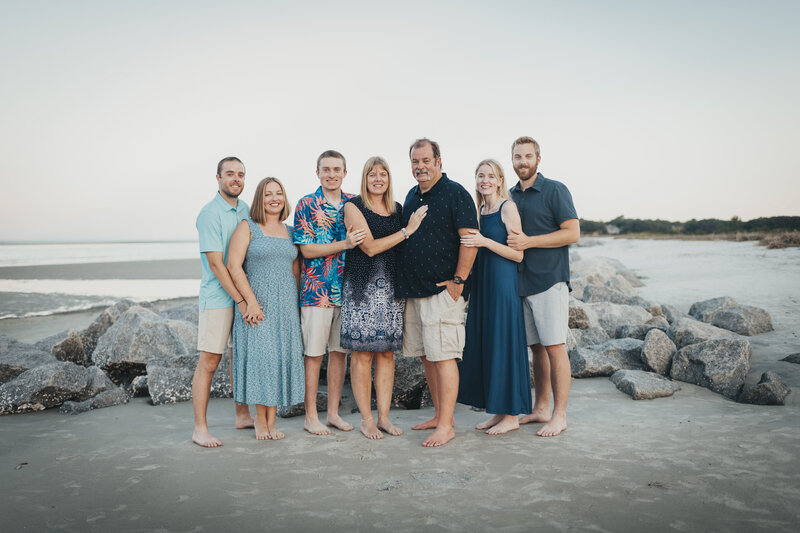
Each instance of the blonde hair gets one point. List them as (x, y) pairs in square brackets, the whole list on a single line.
[(388, 198), (257, 207), (502, 192)]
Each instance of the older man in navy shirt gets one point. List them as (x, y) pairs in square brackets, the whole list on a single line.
[(549, 225), (433, 266)]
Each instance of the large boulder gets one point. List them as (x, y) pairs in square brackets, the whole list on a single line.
[(600, 293), (770, 390), (46, 344), (599, 270), (639, 331), (672, 313), (409, 382), (188, 312), (792, 358), (109, 398), (705, 310), (719, 364), (169, 380), (578, 319), (140, 335), (51, 385), (658, 351), (587, 337), (621, 284), (605, 359), (641, 385), (17, 357), (686, 331), (577, 283), (743, 319), (611, 316), (70, 349)]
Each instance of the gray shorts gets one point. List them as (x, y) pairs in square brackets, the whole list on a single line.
[(547, 316)]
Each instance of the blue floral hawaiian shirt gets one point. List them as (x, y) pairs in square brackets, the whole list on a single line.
[(317, 221)]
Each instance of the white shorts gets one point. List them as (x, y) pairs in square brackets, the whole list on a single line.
[(320, 327), (547, 316), (434, 327), (214, 330)]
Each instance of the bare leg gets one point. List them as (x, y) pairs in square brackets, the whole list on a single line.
[(262, 428), (243, 418), (384, 381), (508, 423), (361, 378), (560, 377), (447, 385), (312, 423), (541, 387), (430, 376), (207, 364), (489, 423), (274, 434), (337, 367)]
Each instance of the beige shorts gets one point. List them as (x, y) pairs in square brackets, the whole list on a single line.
[(214, 330), (320, 327), (547, 316), (434, 327)]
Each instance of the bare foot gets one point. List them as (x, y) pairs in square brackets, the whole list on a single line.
[(489, 423), (370, 430), (508, 423), (428, 424), (441, 436), (203, 438), (337, 422), (262, 432), (315, 427), (274, 434), (244, 421), (556, 426), (538, 415), (388, 427)]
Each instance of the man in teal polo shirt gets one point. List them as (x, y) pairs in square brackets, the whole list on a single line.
[(215, 225), (549, 225)]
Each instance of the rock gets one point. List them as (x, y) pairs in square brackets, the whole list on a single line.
[(409, 382), (299, 409), (639, 331), (606, 358), (718, 364), (50, 385), (611, 316), (656, 311), (588, 337), (599, 270), (109, 398), (620, 284), (169, 380), (705, 310), (793, 358), (188, 312), (140, 335), (138, 387), (17, 357), (743, 319), (46, 344), (577, 283), (686, 331), (770, 390), (641, 385), (574, 255), (672, 313), (658, 351), (600, 293), (70, 349), (578, 318)]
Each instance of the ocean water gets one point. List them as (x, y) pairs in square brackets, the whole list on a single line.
[(34, 296)]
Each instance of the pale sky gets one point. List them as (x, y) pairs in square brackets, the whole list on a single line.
[(114, 114)]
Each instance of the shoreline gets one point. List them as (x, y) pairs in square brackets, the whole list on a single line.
[(155, 269)]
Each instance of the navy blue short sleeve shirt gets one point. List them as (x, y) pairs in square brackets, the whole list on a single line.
[(430, 255)]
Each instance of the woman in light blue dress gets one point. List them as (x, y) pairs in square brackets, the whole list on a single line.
[(267, 344)]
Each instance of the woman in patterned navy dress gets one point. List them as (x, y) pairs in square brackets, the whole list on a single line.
[(267, 344), (372, 317)]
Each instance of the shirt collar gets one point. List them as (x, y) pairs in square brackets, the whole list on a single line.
[(537, 184), (225, 205), (321, 195)]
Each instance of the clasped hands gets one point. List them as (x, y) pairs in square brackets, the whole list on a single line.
[(253, 313)]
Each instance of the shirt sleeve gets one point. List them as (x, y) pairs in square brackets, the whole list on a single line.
[(563, 208), (303, 228), (465, 214), (209, 229)]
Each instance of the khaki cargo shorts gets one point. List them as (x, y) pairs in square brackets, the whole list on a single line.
[(434, 327)]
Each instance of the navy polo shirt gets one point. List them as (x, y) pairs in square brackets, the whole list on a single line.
[(430, 255), (543, 207)]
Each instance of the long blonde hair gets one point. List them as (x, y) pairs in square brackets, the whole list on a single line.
[(502, 192), (388, 198)]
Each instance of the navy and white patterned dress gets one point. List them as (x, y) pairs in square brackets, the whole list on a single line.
[(268, 358), (372, 315)]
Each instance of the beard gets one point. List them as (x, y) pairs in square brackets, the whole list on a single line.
[(230, 193), (525, 172)]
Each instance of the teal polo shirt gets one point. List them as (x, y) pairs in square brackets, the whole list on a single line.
[(215, 225)]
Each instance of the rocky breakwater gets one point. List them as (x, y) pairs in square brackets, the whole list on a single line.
[(645, 348)]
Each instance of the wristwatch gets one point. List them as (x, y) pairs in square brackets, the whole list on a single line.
[(458, 280)]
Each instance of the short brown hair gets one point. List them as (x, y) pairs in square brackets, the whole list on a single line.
[(227, 160), (526, 140), (332, 153), (257, 207), (419, 143), (388, 197)]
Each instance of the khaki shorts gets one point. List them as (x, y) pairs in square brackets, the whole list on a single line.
[(547, 316), (214, 330), (434, 327), (320, 327)]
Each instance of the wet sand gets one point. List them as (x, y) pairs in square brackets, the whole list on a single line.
[(163, 269)]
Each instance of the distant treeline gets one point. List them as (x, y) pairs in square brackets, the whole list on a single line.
[(706, 226)]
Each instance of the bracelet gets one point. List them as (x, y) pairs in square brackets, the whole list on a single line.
[(240, 301), (405, 233)]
